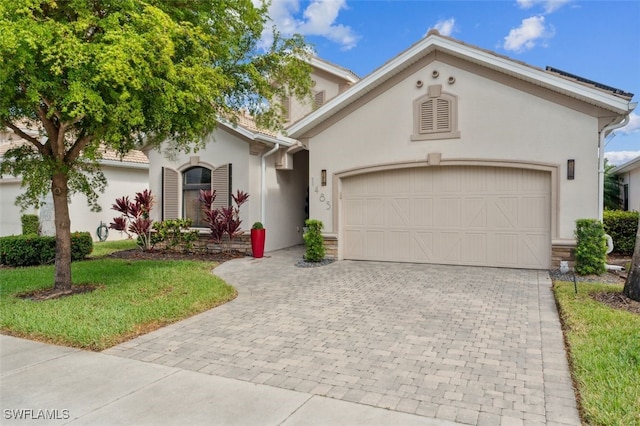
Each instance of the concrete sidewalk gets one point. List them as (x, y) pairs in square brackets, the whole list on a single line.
[(49, 385)]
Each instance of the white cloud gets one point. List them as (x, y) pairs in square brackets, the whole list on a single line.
[(549, 6), (620, 157), (444, 27), (527, 35), (633, 126), (318, 19)]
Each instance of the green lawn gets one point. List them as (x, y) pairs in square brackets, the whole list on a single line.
[(107, 247), (605, 354), (133, 297)]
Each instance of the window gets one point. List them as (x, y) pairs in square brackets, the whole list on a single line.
[(194, 180), (435, 115), (180, 191)]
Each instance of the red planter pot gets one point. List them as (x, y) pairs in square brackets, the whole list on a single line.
[(257, 242)]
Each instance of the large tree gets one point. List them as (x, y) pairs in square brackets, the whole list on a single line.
[(79, 76)]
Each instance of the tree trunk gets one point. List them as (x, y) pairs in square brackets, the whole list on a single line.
[(60, 190), (632, 285)]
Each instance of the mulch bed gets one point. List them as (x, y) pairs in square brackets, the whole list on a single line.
[(137, 254), (618, 301), (52, 293)]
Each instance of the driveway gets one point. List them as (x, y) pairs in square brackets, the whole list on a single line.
[(467, 344)]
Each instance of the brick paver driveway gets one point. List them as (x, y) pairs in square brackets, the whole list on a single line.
[(472, 345)]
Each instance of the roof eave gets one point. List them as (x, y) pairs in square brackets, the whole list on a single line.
[(627, 167), (258, 137)]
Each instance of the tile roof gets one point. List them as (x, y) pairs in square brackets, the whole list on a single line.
[(133, 156)]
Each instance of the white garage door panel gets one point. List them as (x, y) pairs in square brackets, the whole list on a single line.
[(454, 215)]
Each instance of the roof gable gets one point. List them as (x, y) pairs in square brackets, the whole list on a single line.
[(434, 43)]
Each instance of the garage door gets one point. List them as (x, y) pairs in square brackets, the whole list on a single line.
[(459, 215)]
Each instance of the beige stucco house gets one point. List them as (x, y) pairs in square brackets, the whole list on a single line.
[(453, 154), (447, 153), (124, 176), (629, 178)]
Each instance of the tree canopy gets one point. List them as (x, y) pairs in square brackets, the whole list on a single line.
[(85, 75)]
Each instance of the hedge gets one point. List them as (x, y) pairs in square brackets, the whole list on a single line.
[(622, 226), (29, 250), (30, 224), (591, 247)]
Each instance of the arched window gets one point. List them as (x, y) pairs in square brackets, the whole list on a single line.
[(194, 180), (180, 191)]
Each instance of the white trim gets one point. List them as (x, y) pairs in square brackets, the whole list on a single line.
[(334, 69), (627, 167), (258, 137), (487, 59)]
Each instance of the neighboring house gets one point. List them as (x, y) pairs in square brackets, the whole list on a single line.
[(271, 168), (629, 177), (124, 176), (453, 154)]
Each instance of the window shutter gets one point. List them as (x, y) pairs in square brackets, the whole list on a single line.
[(170, 194), (221, 183), (443, 114), (426, 116), (318, 99), (286, 107)]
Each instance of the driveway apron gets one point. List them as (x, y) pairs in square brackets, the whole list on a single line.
[(467, 344)]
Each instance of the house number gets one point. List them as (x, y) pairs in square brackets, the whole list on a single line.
[(321, 197)]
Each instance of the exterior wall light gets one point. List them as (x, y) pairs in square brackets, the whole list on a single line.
[(323, 177), (571, 169)]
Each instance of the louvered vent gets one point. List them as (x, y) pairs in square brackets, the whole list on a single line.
[(426, 116), (286, 108), (443, 114), (319, 99)]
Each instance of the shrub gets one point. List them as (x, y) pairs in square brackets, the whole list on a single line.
[(175, 234), (313, 241), (591, 248), (29, 250), (30, 224), (622, 226), (257, 225)]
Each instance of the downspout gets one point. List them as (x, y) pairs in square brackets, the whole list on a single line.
[(603, 134), (263, 182)]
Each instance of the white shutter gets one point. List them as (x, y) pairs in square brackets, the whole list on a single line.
[(221, 182), (170, 194)]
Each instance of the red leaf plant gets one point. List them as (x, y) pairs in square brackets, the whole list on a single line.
[(224, 220), (134, 219)]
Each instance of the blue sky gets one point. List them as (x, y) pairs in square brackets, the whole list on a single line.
[(598, 40)]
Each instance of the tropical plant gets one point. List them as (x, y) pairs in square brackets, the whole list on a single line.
[(79, 77), (612, 198), (224, 220), (134, 219)]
